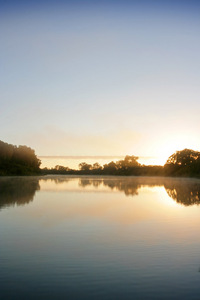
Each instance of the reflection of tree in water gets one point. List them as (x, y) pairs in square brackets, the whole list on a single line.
[(128, 185), (19, 191), (186, 192), (57, 179), (183, 191), (83, 182), (129, 188)]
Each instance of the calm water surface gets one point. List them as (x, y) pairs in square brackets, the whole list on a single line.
[(99, 238)]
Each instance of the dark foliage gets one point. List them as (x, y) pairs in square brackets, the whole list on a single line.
[(18, 160), (183, 163)]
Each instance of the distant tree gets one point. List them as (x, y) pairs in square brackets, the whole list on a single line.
[(110, 168), (129, 161), (61, 168), (96, 166), (84, 166)]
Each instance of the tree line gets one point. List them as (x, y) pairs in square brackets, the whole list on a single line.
[(182, 163), (22, 160)]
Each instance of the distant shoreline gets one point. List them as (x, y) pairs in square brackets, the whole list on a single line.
[(73, 161), (22, 160)]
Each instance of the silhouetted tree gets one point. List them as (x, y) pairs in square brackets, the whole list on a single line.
[(61, 168), (18, 160), (96, 166), (185, 162), (110, 168), (128, 162), (184, 157), (84, 166)]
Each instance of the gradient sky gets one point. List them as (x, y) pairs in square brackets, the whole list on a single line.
[(100, 77)]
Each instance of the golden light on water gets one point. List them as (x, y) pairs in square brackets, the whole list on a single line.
[(145, 203)]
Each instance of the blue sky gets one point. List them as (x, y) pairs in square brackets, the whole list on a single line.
[(100, 77)]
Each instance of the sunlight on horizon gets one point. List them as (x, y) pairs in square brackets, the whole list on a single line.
[(73, 162), (167, 148)]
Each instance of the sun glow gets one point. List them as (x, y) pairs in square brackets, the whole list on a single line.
[(169, 145)]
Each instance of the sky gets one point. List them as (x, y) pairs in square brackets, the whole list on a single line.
[(100, 77)]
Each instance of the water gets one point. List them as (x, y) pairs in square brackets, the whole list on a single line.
[(68, 237)]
